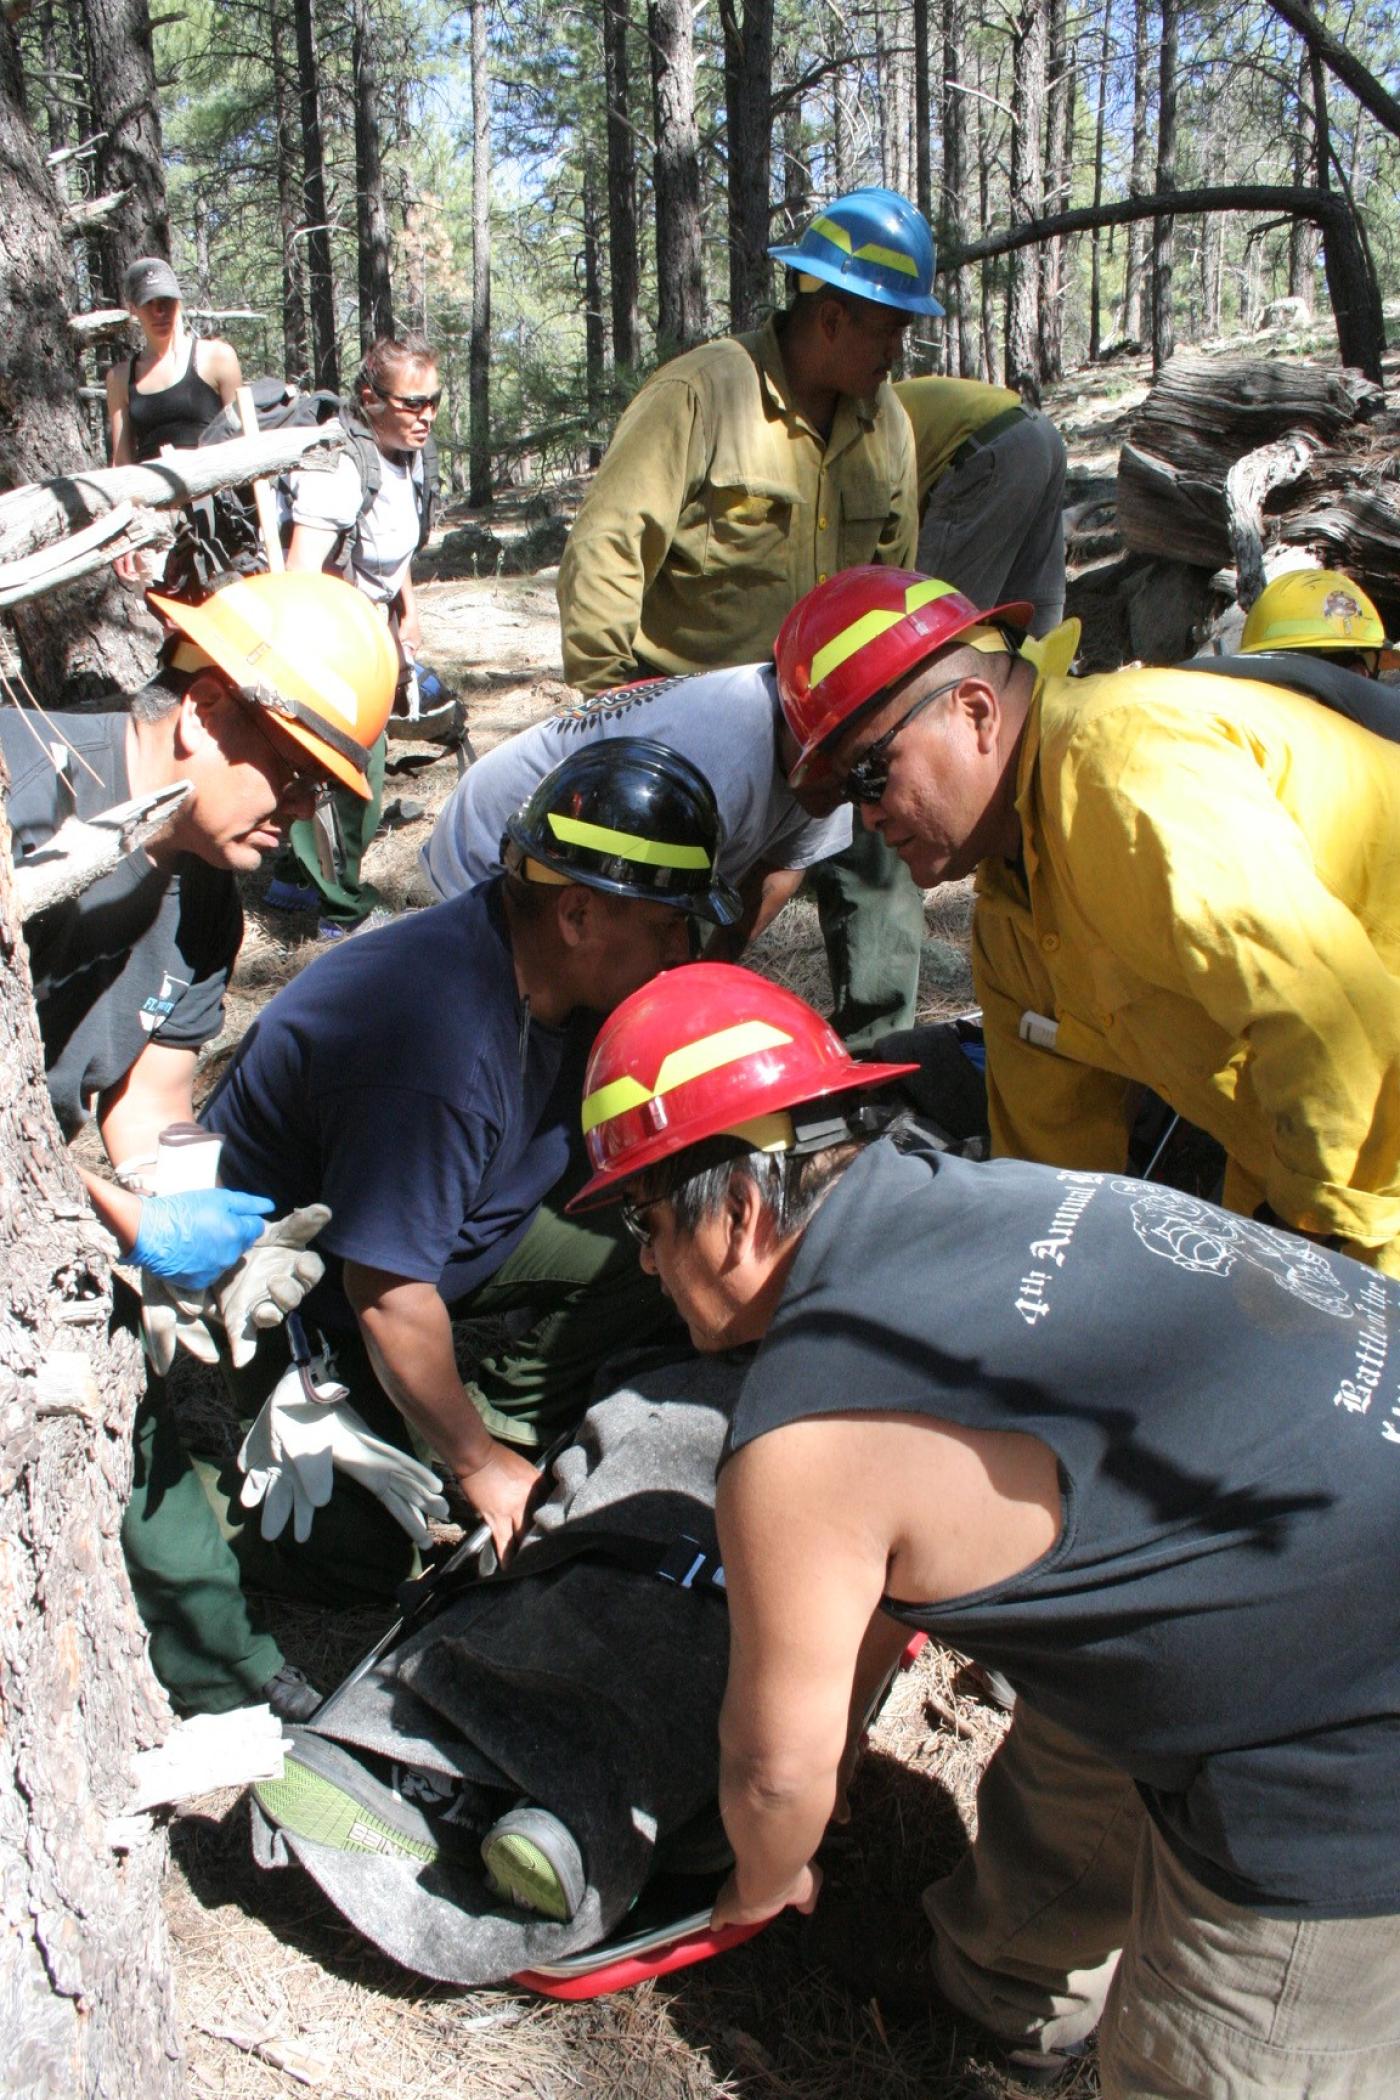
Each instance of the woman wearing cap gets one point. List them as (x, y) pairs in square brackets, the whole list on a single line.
[(176, 384)]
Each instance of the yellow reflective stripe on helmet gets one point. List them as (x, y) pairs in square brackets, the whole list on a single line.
[(872, 252), (692, 1061), (870, 626), (650, 853)]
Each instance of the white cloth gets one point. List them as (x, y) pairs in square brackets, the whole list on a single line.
[(385, 538), (724, 722)]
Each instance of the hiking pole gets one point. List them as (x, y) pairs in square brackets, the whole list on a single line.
[(263, 498), (416, 1598)]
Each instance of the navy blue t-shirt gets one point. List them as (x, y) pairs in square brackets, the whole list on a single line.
[(1217, 1615), (400, 1080), (141, 956)]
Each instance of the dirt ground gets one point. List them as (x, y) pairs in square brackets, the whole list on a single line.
[(277, 1995)]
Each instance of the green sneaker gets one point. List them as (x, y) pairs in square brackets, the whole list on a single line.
[(532, 1860), (327, 1795)]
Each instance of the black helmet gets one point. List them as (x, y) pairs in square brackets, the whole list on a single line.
[(630, 816)]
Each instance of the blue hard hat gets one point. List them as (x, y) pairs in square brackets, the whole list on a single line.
[(872, 243)]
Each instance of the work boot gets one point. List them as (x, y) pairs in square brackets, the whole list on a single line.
[(333, 1796), (532, 1860)]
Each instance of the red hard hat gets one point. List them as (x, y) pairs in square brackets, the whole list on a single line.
[(848, 641), (699, 1051)]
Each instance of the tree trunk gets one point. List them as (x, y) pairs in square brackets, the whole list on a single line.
[(124, 105), (99, 635), (797, 188), (1302, 238), (923, 163), (1095, 259), (371, 218), (325, 350), (296, 355), (748, 90), (1052, 312), (676, 178), (594, 347), (84, 1967), (1371, 93), (988, 365), (624, 260), (964, 360), (1130, 321), (1027, 192), (1163, 326), (479, 355)]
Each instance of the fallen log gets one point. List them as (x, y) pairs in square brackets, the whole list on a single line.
[(1205, 416), (44, 511)]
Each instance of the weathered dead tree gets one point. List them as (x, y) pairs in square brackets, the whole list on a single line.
[(43, 512), (84, 1973), (1304, 457)]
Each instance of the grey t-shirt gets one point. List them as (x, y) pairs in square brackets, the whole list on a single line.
[(385, 538), (724, 722), (142, 956)]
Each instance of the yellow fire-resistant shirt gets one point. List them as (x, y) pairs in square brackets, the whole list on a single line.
[(1209, 904), (944, 412), (718, 506)]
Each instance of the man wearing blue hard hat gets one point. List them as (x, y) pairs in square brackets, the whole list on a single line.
[(744, 473)]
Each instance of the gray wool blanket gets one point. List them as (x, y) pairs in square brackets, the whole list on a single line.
[(574, 1680)]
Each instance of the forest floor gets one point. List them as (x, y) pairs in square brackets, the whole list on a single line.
[(277, 1995)]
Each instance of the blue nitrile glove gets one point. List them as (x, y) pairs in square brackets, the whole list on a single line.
[(193, 1238)]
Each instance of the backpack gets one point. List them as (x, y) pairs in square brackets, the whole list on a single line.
[(218, 534)]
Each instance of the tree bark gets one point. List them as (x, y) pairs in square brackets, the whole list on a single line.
[(676, 178), (103, 638), (84, 1967), (1051, 317), (594, 347), (624, 261), (479, 353), (748, 91), (371, 217), (1163, 325), (1095, 259), (296, 353), (325, 349), (1302, 238), (1130, 317), (129, 158), (1027, 185), (923, 160), (964, 360), (1350, 280)]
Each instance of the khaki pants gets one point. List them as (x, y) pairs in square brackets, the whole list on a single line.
[(1208, 2001)]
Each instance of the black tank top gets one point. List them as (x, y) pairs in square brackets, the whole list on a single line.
[(176, 415), (1217, 1615)]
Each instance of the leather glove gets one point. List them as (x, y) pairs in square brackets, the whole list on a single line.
[(172, 1319), (295, 1447), (270, 1280), (192, 1239)]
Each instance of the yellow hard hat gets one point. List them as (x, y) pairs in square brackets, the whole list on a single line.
[(310, 649), (1313, 609)]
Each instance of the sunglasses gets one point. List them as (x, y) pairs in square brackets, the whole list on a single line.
[(634, 1218), (868, 778), (410, 404)]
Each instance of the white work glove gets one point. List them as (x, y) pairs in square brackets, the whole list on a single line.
[(270, 1280), (172, 1319), (295, 1447), (83, 849)]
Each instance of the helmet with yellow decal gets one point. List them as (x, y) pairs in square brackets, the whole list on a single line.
[(629, 816), (706, 1051), (872, 243), (844, 645)]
